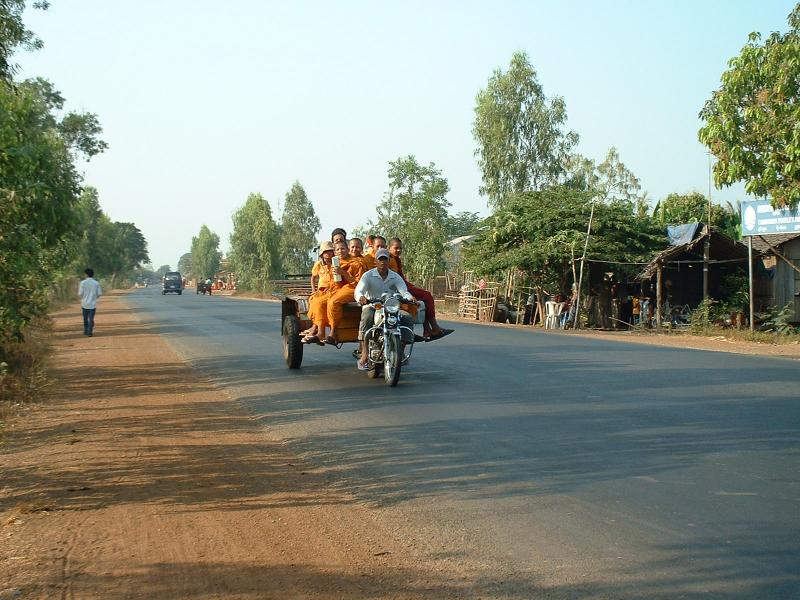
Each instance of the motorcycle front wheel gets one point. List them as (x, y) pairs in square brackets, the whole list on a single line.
[(393, 355)]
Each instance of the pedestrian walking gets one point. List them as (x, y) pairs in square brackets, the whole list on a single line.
[(89, 291)]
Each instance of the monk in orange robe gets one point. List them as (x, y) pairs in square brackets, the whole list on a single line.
[(321, 282), (350, 269), (430, 328)]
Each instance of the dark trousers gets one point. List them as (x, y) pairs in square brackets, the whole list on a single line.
[(88, 320)]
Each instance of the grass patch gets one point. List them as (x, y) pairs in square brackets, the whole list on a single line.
[(23, 369)]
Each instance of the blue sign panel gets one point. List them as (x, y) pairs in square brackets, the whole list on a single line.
[(759, 218)]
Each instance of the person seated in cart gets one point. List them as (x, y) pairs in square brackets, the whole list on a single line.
[(355, 246), (431, 330), (326, 309), (339, 235), (378, 242), (373, 284), (350, 270), (321, 280)]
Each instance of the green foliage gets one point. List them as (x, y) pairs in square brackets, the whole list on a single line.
[(124, 249), (610, 180), (39, 189), (255, 244), (522, 145), (79, 131), (14, 35), (299, 228), (113, 249), (415, 210), (689, 208), (205, 253), (162, 270), (462, 223), (779, 320), (752, 123), (736, 291), (707, 313), (538, 232), (185, 265)]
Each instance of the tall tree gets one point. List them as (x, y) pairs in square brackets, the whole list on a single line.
[(299, 228), (611, 179), (538, 233), (123, 249), (415, 210), (462, 223), (14, 35), (688, 208), (255, 244), (185, 265), (752, 121), (205, 253), (88, 252), (39, 189), (522, 144)]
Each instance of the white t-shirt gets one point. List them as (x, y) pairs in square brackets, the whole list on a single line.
[(89, 291), (372, 285)]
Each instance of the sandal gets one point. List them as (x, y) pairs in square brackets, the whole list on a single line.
[(440, 334), (312, 339)]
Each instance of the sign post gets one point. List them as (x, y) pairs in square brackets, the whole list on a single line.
[(760, 218)]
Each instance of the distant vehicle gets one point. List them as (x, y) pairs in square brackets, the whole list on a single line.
[(172, 282), (203, 286)]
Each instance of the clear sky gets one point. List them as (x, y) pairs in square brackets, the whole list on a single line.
[(204, 102)]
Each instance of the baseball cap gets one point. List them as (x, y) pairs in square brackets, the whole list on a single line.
[(381, 253)]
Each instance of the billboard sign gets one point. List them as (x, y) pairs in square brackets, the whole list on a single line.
[(760, 218)]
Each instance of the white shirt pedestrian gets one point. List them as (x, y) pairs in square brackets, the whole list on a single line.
[(89, 291)]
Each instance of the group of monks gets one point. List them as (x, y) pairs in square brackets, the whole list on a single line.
[(334, 286)]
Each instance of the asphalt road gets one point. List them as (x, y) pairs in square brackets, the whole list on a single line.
[(565, 467)]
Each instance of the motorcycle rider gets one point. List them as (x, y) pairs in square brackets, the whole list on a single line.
[(373, 284)]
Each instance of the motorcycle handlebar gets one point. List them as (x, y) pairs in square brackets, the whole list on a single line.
[(381, 300)]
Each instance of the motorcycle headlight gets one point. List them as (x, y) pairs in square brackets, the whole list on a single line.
[(392, 319), (392, 305)]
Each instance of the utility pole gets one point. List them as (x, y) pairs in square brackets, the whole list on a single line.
[(707, 244), (576, 321)]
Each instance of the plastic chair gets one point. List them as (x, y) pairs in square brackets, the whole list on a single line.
[(552, 313)]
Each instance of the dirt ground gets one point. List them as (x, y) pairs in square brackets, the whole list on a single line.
[(138, 479)]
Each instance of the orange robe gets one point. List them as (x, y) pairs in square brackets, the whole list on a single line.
[(419, 293), (317, 311), (369, 262), (344, 292)]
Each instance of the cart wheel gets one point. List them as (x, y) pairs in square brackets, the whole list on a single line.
[(292, 346)]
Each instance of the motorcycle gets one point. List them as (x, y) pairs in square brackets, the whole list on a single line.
[(385, 348)]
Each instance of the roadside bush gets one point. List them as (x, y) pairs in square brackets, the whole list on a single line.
[(23, 373), (704, 316), (777, 321)]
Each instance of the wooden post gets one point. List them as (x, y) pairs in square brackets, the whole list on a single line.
[(576, 322), (658, 295)]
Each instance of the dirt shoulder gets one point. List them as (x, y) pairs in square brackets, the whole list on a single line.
[(139, 479)]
